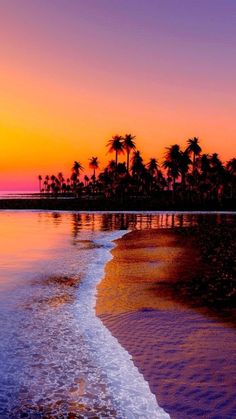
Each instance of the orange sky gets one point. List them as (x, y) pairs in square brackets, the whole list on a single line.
[(69, 83)]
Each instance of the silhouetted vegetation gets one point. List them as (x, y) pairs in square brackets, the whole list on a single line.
[(187, 175)]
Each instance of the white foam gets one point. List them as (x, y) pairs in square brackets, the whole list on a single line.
[(130, 392)]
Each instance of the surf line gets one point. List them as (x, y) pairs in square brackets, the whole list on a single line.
[(128, 389)]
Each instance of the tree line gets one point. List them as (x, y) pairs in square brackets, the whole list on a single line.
[(184, 174)]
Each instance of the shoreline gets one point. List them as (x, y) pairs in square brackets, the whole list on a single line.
[(187, 268), (109, 355), (184, 352)]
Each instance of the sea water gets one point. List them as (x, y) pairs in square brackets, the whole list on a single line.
[(56, 357)]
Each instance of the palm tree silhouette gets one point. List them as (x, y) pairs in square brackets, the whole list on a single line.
[(116, 145), (204, 164), (231, 166), (231, 169), (209, 180), (77, 167), (194, 148), (137, 164), (128, 144), (40, 182), (172, 162), (94, 164), (111, 166), (152, 166), (86, 180), (184, 162)]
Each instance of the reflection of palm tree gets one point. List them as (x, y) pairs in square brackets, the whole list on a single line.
[(116, 145), (94, 164), (129, 145), (194, 148), (40, 182)]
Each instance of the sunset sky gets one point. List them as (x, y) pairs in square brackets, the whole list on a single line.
[(75, 72)]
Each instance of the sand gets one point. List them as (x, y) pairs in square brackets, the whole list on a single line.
[(186, 356)]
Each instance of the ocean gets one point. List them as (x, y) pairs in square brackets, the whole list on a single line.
[(56, 356), (57, 359)]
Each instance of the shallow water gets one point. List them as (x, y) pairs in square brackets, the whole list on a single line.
[(46, 367), (188, 360), (56, 357)]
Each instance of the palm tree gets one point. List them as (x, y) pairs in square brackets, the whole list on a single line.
[(231, 166), (231, 169), (216, 162), (46, 183), (194, 148), (138, 171), (184, 162), (61, 179), (86, 180), (111, 166), (137, 163), (217, 175), (116, 145), (152, 166), (152, 171), (204, 163), (94, 164), (77, 168), (172, 162), (128, 144), (40, 182)]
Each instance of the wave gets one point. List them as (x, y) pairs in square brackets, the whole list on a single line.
[(131, 394)]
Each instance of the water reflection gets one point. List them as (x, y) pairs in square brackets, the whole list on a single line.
[(132, 221)]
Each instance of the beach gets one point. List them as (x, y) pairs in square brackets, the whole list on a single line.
[(183, 346)]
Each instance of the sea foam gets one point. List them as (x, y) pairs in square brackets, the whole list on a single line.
[(130, 392)]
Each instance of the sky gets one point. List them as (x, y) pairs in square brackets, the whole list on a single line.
[(73, 73)]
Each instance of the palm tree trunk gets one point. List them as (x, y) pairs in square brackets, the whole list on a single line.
[(173, 192), (116, 157), (183, 181), (194, 161), (127, 161)]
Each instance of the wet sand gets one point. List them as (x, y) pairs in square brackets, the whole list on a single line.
[(186, 356)]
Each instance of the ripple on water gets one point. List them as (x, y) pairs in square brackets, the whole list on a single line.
[(57, 358)]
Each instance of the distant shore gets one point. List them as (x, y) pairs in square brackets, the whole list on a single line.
[(98, 204)]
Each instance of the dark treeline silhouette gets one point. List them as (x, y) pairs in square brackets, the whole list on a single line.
[(184, 176)]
